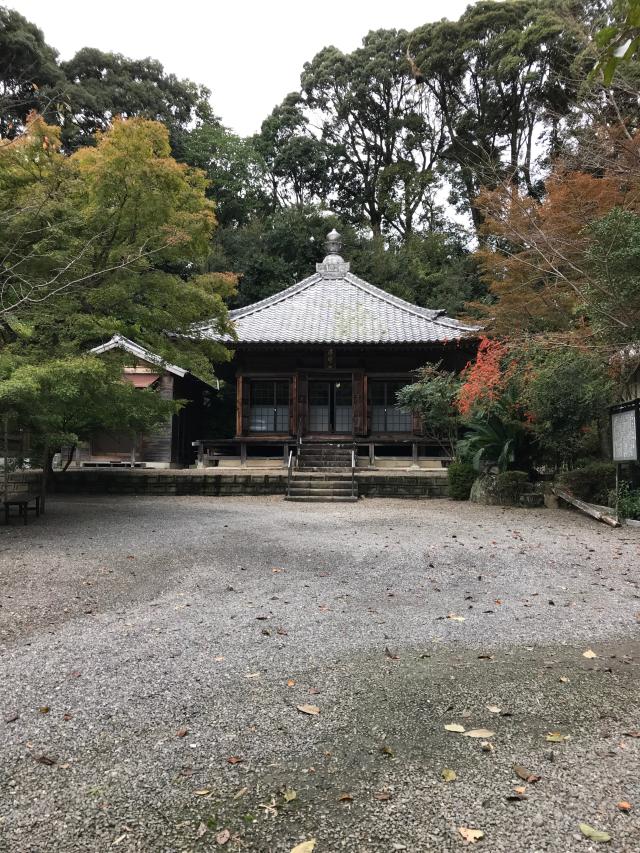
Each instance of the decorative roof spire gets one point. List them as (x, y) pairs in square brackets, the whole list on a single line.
[(333, 265)]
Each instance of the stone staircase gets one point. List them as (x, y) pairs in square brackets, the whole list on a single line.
[(323, 474)]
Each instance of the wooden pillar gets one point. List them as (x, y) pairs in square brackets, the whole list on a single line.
[(243, 453), (359, 403)]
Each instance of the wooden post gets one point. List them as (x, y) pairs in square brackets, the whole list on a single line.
[(372, 454), (46, 464), (243, 453), (6, 457)]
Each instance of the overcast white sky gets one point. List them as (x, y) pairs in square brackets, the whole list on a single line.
[(248, 52)]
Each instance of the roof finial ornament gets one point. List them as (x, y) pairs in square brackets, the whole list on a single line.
[(333, 265), (334, 242)]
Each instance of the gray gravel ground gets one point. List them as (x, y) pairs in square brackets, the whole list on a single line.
[(133, 619)]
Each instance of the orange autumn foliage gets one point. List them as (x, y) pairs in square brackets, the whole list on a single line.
[(534, 255), (482, 379)]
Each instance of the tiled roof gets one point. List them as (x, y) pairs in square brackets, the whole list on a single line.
[(333, 306), (120, 342)]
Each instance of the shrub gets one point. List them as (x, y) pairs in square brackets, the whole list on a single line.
[(628, 501), (461, 476), (590, 483), (510, 485)]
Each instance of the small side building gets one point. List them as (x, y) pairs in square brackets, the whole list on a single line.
[(169, 445)]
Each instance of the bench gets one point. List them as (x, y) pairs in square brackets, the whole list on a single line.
[(23, 500)]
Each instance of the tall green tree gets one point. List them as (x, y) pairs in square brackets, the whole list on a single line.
[(234, 170), (101, 86), (386, 138), (298, 165), (503, 77), (30, 78)]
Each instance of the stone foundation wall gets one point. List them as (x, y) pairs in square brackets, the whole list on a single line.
[(106, 482)]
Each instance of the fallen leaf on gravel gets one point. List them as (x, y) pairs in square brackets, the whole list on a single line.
[(455, 618), (266, 632), (46, 760), (223, 837), (487, 746), (182, 732), (556, 737), (202, 792), (624, 806), (493, 709), (119, 839), (305, 847), (391, 655), (383, 796), (11, 717), (470, 835), (235, 759), (289, 794), (594, 834), (386, 750), (449, 775), (313, 691), (219, 658), (479, 733), (631, 734), (262, 618), (520, 789), (253, 675), (308, 709), (454, 727), (525, 774), (66, 717), (589, 654), (563, 679), (277, 571), (44, 709), (240, 793), (201, 830), (291, 682), (282, 631), (515, 798), (486, 657), (345, 798)]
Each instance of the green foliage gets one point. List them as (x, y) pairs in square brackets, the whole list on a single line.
[(111, 239), (460, 476), (297, 163), (234, 170), (101, 86), (510, 485), (627, 501), (433, 398), (495, 439), (591, 482), (565, 396), (385, 144), (613, 258), (500, 74), (619, 41), (65, 400), (28, 66)]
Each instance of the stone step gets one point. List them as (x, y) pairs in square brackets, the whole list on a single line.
[(322, 498), (318, 491), (321, 483), (328, 469)]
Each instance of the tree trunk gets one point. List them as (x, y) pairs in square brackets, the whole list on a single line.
[(69, 457)]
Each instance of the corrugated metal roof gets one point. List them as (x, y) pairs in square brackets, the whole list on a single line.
[(333, 306)]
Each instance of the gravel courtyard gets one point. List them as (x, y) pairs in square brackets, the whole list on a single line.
[(154, 653)]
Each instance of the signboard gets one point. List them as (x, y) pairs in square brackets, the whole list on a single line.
[(625, 431)]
